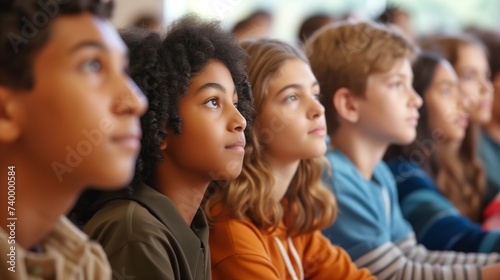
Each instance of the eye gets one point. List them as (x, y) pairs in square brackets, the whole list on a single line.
[(212, 103), (317, 96), (396, 85), (91, 66), (446, 92), (235, 101), (291, 98), (467, 77)]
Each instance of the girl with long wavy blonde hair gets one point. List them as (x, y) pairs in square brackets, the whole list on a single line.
[(266, 223)]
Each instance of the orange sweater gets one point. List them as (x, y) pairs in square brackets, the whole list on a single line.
[(239, 250)]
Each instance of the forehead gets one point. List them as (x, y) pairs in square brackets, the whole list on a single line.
[(400, 66), (444, 71), (70, 30), (471, 55), (213, 71), (293, 70)]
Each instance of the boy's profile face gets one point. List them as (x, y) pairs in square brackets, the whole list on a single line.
[(212, 141), (79, 124), (388, 111)]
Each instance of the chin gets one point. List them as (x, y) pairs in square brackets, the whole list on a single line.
[(404, 140), (118, 178), (481, 119)]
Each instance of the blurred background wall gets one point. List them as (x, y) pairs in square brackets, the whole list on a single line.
[(426, 16)]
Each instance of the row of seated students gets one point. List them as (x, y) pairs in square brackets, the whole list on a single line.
[(230, 178)]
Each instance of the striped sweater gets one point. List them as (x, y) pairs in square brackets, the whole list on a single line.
[(437, 223), (371, 227)]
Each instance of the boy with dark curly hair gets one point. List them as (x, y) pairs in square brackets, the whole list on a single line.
[(194, 133), (69, 118)]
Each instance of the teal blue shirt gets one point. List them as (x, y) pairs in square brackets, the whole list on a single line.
[(368, 210), (489, 151)]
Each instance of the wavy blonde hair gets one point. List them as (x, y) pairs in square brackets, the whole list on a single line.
[(308, 205)]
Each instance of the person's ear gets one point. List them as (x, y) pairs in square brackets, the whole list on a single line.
[(346, 105), (164, 144), (496, 80), (10, 128)]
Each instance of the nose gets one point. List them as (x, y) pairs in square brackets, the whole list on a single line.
[(415, 98), (237, 121), (461, 107), (315, 108), (130, 100), (467, 101), (486, 87)]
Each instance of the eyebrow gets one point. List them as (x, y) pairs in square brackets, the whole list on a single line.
[(447, 83), (295, 86), (215, 86), (87, 44), (397, 75), (471, 69)]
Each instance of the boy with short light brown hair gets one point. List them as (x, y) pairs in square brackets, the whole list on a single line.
[(364, 71)]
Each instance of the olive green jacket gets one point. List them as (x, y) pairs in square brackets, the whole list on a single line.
[(145, 237)]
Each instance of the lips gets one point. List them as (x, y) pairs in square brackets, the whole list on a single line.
[(131, 139), (318, 130), (237, 145), (413, 120), (462, 122), (485, 105)]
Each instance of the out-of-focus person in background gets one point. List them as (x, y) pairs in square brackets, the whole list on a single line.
[(468, 56), (489, 140), (399, 17), (149, 21), (313, 23), (256, 26)]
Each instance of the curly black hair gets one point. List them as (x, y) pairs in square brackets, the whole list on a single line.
[(25, 27), (163, 69), (187, 48)]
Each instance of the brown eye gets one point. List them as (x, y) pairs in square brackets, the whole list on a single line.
[(212, 103)]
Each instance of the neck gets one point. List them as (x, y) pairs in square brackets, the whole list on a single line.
[(282, 173), (451, 148), (493, 130), (40, 200), (364, 153), (181, 186)]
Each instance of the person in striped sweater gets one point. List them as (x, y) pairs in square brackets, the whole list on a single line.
[(424, 168), (364, 71)]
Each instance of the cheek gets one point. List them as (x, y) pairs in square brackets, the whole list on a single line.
[(469, 88)]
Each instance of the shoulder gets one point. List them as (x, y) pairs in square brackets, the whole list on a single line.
[(339, 162), (226, 239), (410, 177), (404, 170), (343, 178), (383, 173), (124, 221)]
